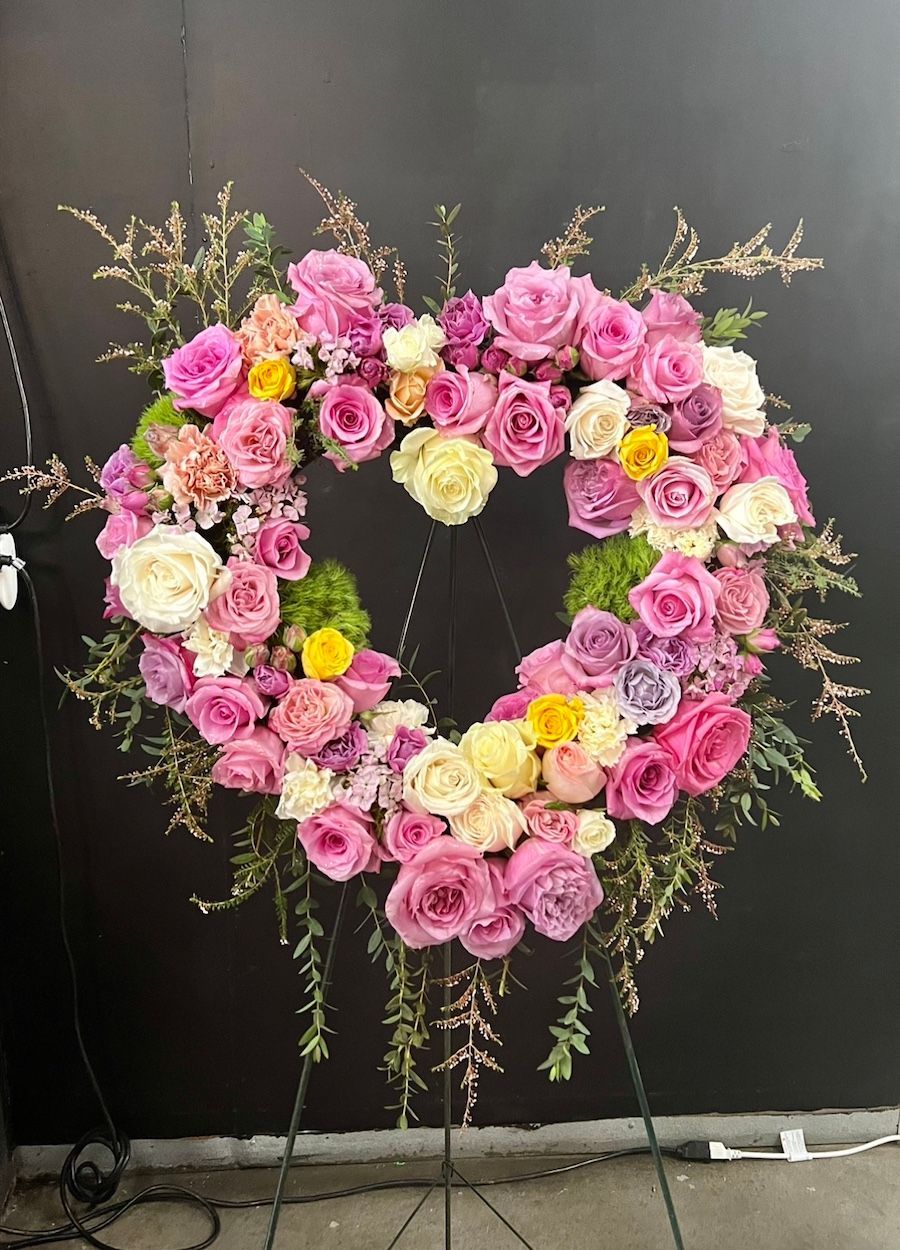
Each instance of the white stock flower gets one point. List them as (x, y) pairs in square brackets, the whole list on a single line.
[(492, 823), (414, 346), (166, 578), (751, 512), (450, 478), (504, 754), (386, 717), (603, 730), (596, 422), (306, 789), (214, 652), (440, 780), (595, 832), (743, 401)]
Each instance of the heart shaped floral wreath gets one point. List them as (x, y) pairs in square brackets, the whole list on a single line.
[(591, 800)]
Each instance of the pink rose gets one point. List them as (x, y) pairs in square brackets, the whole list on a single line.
[(543, 671), (500, 926), (271, 682), (511, 706), (553, 824), (352, 416), (278, 548), (121, 530), (206, 371), (597, 646), (767, 456), (407, 832), (557, 889), (570, 773), (114, 606), (248, 609), (744, 600), (677, 598), (705, 739), (525, 429), (494, 359), (332, 289), (254, 763), (680, 496), (222, 708), (669, 370), (339, 842), (460, 402), (611, 337), (311, 714), (671, 314), (642, 785), (600, 495), (439, 893), (405, 745), (763, 640), (721, 458), (166, 669), (368, 679), (535, 311), (254, 434)]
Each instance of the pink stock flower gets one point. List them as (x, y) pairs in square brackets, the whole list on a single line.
[(407, 832), (255, 434), (121, 530), (610, 337), (767, 456), (311, 714), (525, 429), (570, 773), (600, 495), (278, 548), (332, 289), (744, 600), (248, 609), (535, 311), (460, 402), (500, 926), (439, 893), (368, 679), (206, 371), (222, 708), (166, 669), (351, 416), (254, 763), (557, 889), (340, 842), (643, 784), (669, 370), (680, 495), (552, 824), (677, 598), (704, 739), (671, 314)]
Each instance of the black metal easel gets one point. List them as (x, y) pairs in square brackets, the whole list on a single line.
[(449, 1170)]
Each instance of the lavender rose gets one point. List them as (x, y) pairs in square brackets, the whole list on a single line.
[(696, 419), (601, 497), (597, 646), (646, 694), (465, 326), (166, 672)]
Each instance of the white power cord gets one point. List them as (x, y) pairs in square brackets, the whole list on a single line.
[(793, 1149)]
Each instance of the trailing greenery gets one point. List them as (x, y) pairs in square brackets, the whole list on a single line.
[(161, 412), (326, 597), (603, 574)]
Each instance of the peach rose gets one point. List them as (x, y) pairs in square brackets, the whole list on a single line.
[(406, 401), (196, 470), (571, 775), (271, 330)]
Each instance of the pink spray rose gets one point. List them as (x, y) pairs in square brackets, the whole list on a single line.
[(248, 609), (222, 708), (553, 824), (611, 337), (352, 416), (499, 927), (166, 670), (126, 479), (278, 548), (439, 893), (678, 597), (368, 679), (557, 889), (535, 311), (254, 763), (525, 428), (332, 289), (744, 600), (271, 682), (311, 714), (705, 739), (720, 456), (570, 773), (597, 646), (206, 371), (254, 434), (668, 370), (601, 497), (642, 785), (543, 671), (121, 530), (460, 402), (767, 456), (339, 842), (671, 314), (407, 832), (511, 706), (680, 496)]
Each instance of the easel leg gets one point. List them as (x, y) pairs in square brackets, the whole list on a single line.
[(447, 1167)]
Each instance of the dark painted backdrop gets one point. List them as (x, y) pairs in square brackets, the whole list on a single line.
[(739, 113)]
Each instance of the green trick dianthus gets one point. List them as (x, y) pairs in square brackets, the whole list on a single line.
[(161, 412), (326, 598), (603, 574)]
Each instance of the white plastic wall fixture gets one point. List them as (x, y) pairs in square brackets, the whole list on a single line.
[(9, 577)]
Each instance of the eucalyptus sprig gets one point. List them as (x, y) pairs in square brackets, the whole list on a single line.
[(448, 246)]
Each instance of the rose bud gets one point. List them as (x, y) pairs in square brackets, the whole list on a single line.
[(283, 659)]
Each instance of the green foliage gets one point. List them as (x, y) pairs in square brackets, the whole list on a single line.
[(268, 256), (326, 597), (603, 574), (161, 412), (570, 1031), (728, 325)]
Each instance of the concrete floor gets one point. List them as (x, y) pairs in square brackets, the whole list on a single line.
[(842, 1204)]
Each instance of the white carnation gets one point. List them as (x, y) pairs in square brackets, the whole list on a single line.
[(214, 652), (387, 717), (603, 731), (306, 789)]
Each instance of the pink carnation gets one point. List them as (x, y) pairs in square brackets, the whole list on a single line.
[(206, 371)]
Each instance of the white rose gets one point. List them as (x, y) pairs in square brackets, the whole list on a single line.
[(595, 832), (450, 478), (414, 346), (743, 401), (214, 652), (751, 512), (491, 823), (504, 753), (306, 789), (440, 780), (386, 717), (596, 422), (165, 579)]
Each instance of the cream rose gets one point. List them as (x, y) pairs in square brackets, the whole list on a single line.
[(306, 789), (743, 401), (450, 478), (595, 832), (596, 421), (440, 780), (504, 753), (491, 823), (415, 346), (166, 578), (751, 512)]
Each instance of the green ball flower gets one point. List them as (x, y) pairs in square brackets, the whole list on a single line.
[(603, 574), (326, 598)]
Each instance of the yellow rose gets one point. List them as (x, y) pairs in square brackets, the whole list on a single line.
[(503, 754), (272, 379), (326, 654), (450, 478), (643, 451), (406, 401), (554, 718)]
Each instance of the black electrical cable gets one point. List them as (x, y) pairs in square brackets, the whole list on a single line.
[(7, 527)]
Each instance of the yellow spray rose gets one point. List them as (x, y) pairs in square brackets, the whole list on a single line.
[(554, 718), (643, 451), (326, 654), (272, 379)]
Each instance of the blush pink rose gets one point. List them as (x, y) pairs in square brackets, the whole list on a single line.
[(500, 926), (121, 530), (680, 496), (557, 889), (254, 763), (352, 416), (254, 434), (460, 402), (166, 669), (570, 773), (744, 600), (206, 371), (439, 893), (311, 714), (332, 290), (600, 495), (677, 599), (642, 785), (705, 739), (597, 646), (368, 679), (671, 314), (535, 311), (222, 708), (278, 548), (668, 370), (543, 671), (610, 337), (553, 824), (525, 429), (511, 706), (248, 609), (767, 456), (407, 832), (721, 458), (340, 842)]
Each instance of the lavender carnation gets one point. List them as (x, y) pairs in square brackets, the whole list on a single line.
[(672, 655)]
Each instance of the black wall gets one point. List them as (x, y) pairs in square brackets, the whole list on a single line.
[(741, 113)]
